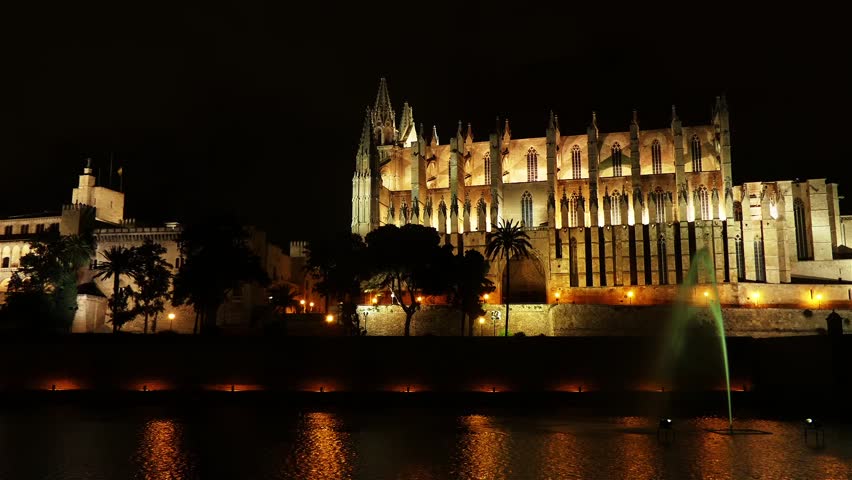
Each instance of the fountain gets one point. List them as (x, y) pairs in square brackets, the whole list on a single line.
[(685, 310)]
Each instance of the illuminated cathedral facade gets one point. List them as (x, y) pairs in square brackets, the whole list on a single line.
[(603, 209)]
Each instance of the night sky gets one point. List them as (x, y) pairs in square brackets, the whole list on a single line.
[(255, 110)]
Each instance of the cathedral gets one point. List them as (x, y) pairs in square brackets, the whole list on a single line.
[(607, 213)]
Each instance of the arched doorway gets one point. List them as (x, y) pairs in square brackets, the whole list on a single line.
[(527, 283)]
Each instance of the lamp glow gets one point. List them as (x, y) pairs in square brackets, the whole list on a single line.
[(481, 320), (171, 316), (329, 318)]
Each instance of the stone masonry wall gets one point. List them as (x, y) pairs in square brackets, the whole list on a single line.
[(598, 320)]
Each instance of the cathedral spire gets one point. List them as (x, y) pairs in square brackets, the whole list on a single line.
[(407, 133), (383, 116), (469, 136), (435, 136), (635, 120), (507, 132), (674, 114)]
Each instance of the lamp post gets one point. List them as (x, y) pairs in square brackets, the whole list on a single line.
[(171, 321), (329, 318), (819, 300), (630, 296), (755, 297), (481, 321), (485, 298), (302, 303), (312, 307), (557, 295)]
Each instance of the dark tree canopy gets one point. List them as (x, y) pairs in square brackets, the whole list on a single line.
[(43, 291), (219, 260), (409, 261)]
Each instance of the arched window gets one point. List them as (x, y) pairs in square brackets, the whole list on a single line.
[(574, 276), (660, 204), (576, 163), (615, 207), (801, 229), (656, 158), (574, 210), (759, 264), (738, 212), (487, 162), (740, 258), (662, 261), (616, 160), (704, 203), (695, 148), (532, 165), (527, 209)]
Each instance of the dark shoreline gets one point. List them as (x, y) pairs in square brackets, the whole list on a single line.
[(619, 375)]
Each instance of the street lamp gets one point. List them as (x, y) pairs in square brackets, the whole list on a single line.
[(630, 296), (755, 296), (302, 303), (375, 300), (557, 295), (312, 306), (393, 299), (419, 299), (329, 318), (171, 320), (819, 300), (485, 297), (481, 322)]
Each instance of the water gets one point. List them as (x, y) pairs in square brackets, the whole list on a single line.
[(684, 312), (240, 442)]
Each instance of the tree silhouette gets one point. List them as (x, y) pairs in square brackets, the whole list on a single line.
[(508, 240), (469, 283), (119, 261), (337, 263), (152, 274), (218, 262), (408, 261), (44, 288)]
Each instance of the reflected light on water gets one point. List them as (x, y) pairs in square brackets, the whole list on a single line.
[(160, 453), (324, 449), (483, 450)]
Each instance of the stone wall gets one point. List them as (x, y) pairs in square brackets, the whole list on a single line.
[(597, 320)]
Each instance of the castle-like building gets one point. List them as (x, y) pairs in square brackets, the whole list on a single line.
[(99, 211), (603, 209)]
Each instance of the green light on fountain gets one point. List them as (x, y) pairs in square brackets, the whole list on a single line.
[(685, 309)]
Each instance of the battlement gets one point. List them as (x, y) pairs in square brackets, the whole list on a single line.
[(297, 248)]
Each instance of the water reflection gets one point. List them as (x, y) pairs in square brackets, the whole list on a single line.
[(483, 449), (160, 453), (323, 449)]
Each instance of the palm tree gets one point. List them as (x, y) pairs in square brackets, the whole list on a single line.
[(282, 297), (508, 240), (119, 261), (153, 278)]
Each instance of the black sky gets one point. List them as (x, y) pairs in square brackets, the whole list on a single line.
[(255, 109)]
